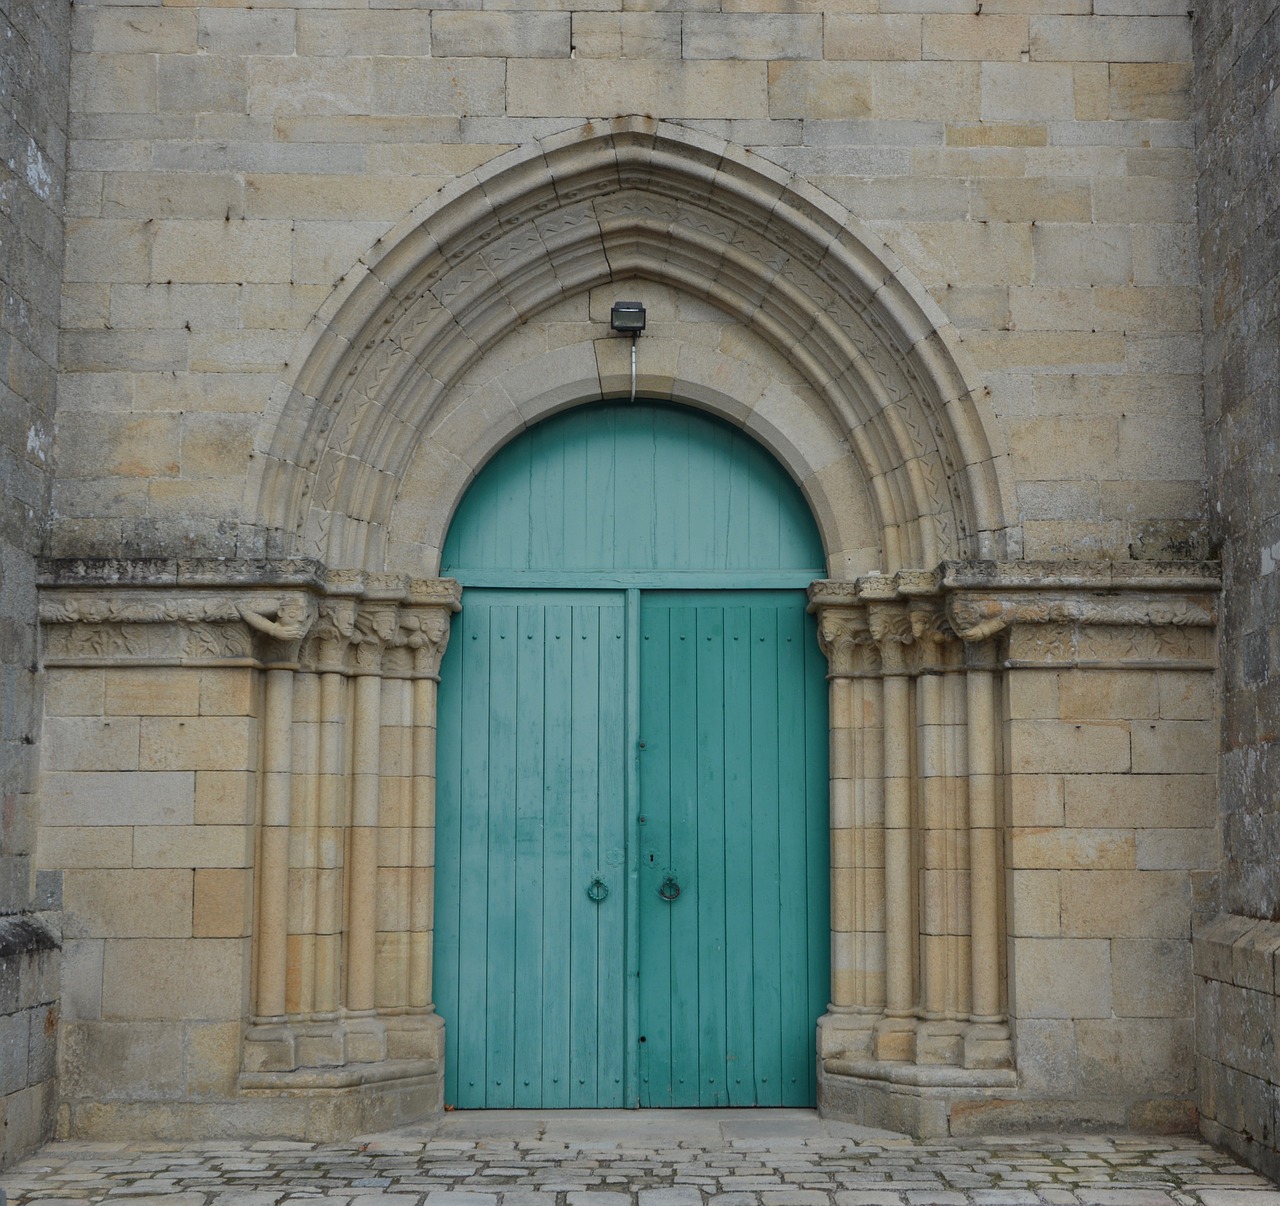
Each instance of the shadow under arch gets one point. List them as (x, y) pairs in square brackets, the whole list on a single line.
[(611, 202)]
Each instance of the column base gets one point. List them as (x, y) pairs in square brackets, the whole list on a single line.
[(927, 1101)]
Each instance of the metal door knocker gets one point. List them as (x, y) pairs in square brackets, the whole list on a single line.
[(597, 889), (670, 889)]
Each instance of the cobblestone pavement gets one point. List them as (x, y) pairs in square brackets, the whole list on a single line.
[(654, 1158)]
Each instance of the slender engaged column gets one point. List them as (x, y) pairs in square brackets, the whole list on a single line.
[(273, 848), (377, 624), (891, 627), (303, 845), (983, 841)]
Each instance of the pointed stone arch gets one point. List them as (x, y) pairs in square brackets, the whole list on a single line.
[(634, 199)]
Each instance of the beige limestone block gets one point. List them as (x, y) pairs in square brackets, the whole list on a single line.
[(951, 253), (1142, 199), (85, 846), (820, 91), (143, 446), (203, 251), (91, 743), (149, 692), (107, 250), (104, 798), (221, 905), (1150, 91), (618, 35), (1103, 694), (865, 36), (773, 36), (207, 83), (1035, 904), (1111, 39), (1021, 92), (74, 692), (1174, 747), (1058, 448), (192, 846), (1072, 253), (1151, 977), (668, 89), (215, 445), (473, 33), (229, 692), (997, 134), (133, 30), (1143, 801), (127, 903), (106, 1061), (1061, 978), (980, 36), (201, 978), (339, 33), (1062, 848), (334, 197), (251, 30), (1146, 1055), (1186, 695), (1126, 904), (1035, 800), (171, 305), (240, 351), (1046, 746), (1177, 849), (212, 1061), (81, 978), (1092, 91), (1039, 200), (201, 743), (144, 195), (920, 91), (1032, 695), (86, 305)]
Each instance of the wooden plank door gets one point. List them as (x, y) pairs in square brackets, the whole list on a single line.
[(732, 842), (531, 811)]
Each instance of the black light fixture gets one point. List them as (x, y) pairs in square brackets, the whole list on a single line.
[(627, 317)]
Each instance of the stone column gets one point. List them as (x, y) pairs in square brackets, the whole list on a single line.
[(418, 1032), (375, 628), (890, 627), (278, 630), (986, 1041)]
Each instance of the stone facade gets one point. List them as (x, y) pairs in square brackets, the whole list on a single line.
[(938, 257), (36, 60), (1237, 57)]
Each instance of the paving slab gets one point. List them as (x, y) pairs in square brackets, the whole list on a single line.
[(641, 1158)]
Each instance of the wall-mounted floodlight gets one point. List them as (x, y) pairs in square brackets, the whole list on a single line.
[(627, 318)]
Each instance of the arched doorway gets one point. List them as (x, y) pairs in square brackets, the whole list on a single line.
[(632, 870)]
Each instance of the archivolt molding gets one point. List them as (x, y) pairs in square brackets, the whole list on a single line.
[(632, 200)]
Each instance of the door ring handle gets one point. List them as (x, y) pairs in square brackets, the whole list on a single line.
[(669, 889), (597, 890)]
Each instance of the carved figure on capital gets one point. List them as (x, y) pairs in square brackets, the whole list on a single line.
[(376, 626), (425, 630), (891, 629), (332, 634), (285, 622), (844, 636)]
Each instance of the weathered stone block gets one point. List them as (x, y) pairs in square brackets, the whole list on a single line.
[(127, 903), (1130, 904), (1062, 978), (173, 979), (474, 33)]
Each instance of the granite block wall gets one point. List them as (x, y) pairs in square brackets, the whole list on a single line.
[(33, 126), (1237, 53)]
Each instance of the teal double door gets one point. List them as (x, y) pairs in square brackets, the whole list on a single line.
[(631, 849), (631, 856)]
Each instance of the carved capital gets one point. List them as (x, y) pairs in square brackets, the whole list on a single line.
[(841, 632), (891, 629), (376, 627), (426, 632)]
